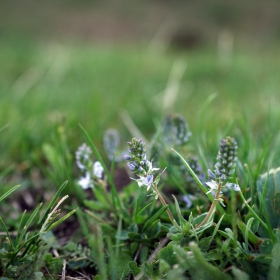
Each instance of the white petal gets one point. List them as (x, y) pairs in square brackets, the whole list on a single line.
[(85, 183), (98, 169), (212, 184)]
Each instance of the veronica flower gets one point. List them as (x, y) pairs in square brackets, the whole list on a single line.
[(83, 156), (224, 168), (111, 141), (145, 181), (98, 170), (85, 182), (139, 165)]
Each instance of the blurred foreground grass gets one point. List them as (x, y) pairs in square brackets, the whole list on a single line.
[(43, 83)]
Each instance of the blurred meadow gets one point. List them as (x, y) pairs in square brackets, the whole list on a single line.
[(89, 61)]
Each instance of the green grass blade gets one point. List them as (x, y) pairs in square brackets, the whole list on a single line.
[(61, 220), (154, 217), (52, 203), (9, 192), (7, 232), (19, 226), (6, 171), (262, 158), (114, 193), (29, 221)]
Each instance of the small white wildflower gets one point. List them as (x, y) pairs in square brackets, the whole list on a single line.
[(85, 182), (212, 185), (98, 169), (82, 156)]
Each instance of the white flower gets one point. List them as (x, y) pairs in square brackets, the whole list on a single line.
[(150, 167), (98, 169), (85, 182), (212, 185), (82, 155)]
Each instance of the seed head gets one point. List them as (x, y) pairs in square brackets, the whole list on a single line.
[(226, 160)]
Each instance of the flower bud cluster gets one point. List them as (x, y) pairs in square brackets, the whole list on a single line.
[(137, 160), (111, 141), (175, 130), (138, 163), (83, 157), (226, 160), (224, 168), (93, 170), (196, 167)]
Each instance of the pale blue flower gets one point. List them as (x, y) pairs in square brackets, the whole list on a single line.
[(145, 181)]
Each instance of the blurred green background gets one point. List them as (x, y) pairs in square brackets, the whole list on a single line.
[(91, 62)]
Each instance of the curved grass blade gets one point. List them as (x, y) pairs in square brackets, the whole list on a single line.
[(52, 203), (9, 192)]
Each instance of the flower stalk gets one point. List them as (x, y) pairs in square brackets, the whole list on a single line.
[(143, 169), (213, 206), (224, 169)]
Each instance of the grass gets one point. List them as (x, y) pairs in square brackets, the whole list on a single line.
[(91, 85), (48, 89)]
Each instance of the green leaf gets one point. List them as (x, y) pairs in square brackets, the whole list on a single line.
[(134, 267), (266, 247), (271, 196), (202, 269), (185, 225), (38, 275), (239, 274), (167, 254), (274, 270), (251, 236), (154, 217)]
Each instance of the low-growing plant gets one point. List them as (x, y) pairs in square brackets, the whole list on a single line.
[(24, 254), (146, 233)]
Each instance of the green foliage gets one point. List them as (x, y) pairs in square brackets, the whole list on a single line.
[(22, 255), (268, 187)]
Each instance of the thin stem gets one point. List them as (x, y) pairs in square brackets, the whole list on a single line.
[(164, 204), (212, 208)]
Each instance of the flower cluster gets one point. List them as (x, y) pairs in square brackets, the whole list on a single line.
[(93, 170), (226, 160), (175, 130), (138, 163), (225, 166), (195, 166), (83, 156), (111, 141)]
